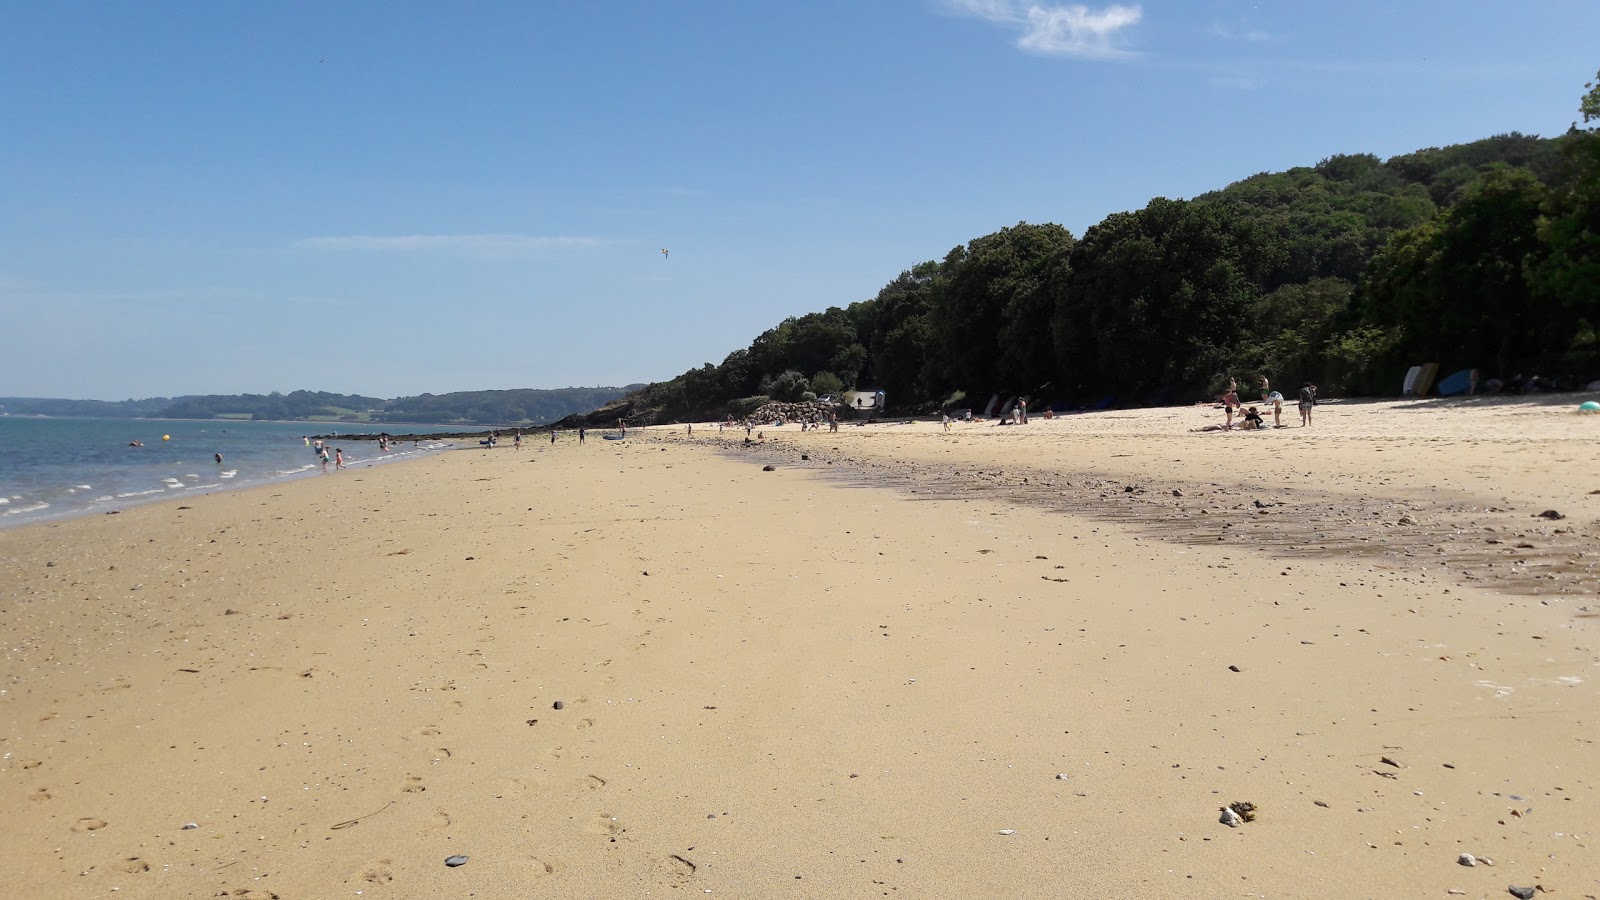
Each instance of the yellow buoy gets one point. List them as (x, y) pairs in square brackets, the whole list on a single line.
[(166, 437)]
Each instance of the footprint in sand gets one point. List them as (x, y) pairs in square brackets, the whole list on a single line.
[(247, 894), (441, 753), (604, 825), (88, 824), (440, 819), (29, 763), (594, 782), (133, 865), (540, 868), (584, 723), (413, 785), (378, 872), (679, 866), (40, 794), (429, 731)]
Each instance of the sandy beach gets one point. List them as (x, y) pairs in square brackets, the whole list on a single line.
[(1028, 661)]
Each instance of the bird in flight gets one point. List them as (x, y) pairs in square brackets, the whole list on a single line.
[(664, 254)]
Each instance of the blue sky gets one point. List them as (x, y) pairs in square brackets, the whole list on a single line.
[(398, 197)]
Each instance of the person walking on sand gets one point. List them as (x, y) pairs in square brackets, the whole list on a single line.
[(581, 433), (1308, 399), (1022, 411), (944, 419), (1230, 401), (516, 439), (552, 436)]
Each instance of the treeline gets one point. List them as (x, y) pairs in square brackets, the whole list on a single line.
[(511, 407), (1483, 255), (507, 407)]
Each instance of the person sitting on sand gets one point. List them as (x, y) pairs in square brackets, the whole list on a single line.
[(1252, 421)]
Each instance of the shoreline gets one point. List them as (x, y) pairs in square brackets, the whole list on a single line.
[(781, 684)]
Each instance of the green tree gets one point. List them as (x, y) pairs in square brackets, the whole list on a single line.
[(990, 296)]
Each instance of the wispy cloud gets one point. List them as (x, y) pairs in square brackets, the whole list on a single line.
[(1234, 82), (483, 246), (1061, 30), (1253, 35)]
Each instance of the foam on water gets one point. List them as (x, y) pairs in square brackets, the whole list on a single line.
[(54, 468), (21, 510)]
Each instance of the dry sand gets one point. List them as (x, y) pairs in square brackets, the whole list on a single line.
[(998, 662)]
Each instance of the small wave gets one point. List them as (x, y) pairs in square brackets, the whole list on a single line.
[(4, 500), (192, 477), (81, 487), (143, 493), (103, 498), (228, 474), (172, 481), (27, 509), (201, 487)]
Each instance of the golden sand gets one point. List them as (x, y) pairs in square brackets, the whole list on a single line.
[(1026, 661)]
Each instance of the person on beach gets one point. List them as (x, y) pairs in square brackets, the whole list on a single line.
[(1276, 399), (1251, 421), (552, 436), (516, 440), (219, 458), (338, 458), (581, 432), (690, 429), (1230, 402), (322, 454), (1308, 399), (1266, 387), (944, 418), (1022, 411)]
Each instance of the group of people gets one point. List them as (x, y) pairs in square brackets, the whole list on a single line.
[(1250, 419), (320, 449)]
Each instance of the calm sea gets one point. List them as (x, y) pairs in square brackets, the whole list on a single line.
[(51, 468)]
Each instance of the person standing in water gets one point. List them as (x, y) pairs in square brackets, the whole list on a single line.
[(219, 458), (338, 458)]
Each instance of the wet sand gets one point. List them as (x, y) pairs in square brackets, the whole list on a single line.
[(1004, 661)]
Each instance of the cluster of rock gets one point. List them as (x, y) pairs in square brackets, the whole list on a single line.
[(804, 411)]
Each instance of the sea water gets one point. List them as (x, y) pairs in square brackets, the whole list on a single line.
[(52, 467)]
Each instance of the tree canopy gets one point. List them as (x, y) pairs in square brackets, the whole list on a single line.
[(1483, 255)]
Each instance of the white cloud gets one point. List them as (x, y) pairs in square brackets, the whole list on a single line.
[(1230, 34), (487, 246), (1071, 30)]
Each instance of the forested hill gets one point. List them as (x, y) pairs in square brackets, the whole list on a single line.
[(1483, 255), (508, 407)]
